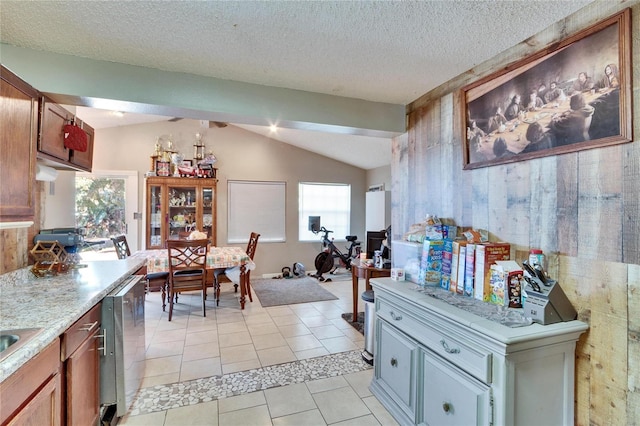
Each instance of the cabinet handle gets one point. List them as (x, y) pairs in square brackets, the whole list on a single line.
[(88, 327), (103, 348), (447, 408), (447, 349), (394, 362), (395, 317)]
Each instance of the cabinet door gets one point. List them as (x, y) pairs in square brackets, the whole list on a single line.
[(83, 383), (450, 396), (84, 159), (182, 210), (18, 127), (44, 408), (207, 219), (156, 220), (396, 366), (53, 117)]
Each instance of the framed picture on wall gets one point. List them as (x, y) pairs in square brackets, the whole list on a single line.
[(573, 95)]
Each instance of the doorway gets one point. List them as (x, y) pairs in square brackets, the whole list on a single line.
[(105, 203)]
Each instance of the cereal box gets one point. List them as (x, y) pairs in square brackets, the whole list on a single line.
[(431, 263), (447, 254), (506, 278), (486, 255), (469, 269), (455, 262)]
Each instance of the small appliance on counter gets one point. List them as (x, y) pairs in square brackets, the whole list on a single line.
[(70, 238)]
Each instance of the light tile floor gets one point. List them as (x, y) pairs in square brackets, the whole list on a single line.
[(285, 365)]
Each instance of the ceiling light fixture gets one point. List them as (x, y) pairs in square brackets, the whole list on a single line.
[(273, 128), (119, 114)]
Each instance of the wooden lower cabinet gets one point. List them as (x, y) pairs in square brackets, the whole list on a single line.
[(33, 394), (437, 364), (43, 408), (81, 355)]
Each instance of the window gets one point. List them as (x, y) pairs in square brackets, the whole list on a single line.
[(256, 207), (330, 201)]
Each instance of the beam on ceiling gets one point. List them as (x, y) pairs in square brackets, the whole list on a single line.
[(74, 80)]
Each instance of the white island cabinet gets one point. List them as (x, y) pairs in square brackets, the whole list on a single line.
[(441, 364)]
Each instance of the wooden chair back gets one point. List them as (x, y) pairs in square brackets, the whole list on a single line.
[(253, 244), (187, 268), (121, 246)]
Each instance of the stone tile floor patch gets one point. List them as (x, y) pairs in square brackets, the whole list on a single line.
[(181, 394)]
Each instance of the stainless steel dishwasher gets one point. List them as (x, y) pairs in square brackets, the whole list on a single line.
[(123, 361)]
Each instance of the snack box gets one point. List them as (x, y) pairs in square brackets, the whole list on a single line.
[(486, 255), (406, 255), (506, 279), (431, 263)]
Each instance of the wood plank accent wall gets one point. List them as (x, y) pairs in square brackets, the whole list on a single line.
[(582, 209)]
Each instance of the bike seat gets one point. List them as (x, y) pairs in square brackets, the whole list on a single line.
[(351, 238)]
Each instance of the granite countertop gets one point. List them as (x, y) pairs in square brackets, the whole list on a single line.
[(54, 303)]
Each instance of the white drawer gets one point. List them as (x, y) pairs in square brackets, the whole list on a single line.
[(466, 355), (452, 397)]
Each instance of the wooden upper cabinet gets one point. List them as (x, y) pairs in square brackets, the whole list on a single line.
[(53, 118), (19, 129)]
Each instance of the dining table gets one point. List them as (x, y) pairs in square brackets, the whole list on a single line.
[(217, 259)]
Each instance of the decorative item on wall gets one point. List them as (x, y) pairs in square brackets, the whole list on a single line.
[(573, 95)]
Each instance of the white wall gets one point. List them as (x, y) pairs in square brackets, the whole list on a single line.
[(59, 201), (242, 155)]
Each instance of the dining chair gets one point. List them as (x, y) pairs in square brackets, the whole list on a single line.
[(220, 275), (121, 246), (187, 269), (156, 281)]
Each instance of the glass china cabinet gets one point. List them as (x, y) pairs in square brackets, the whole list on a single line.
[(176, 206)]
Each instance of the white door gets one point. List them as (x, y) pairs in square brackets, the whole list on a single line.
[(124, 220)]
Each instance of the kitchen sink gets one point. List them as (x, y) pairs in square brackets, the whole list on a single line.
[(11, 340)]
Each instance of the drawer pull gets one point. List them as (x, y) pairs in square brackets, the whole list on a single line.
[(394, 362), (103, 348), (88, 327), (447, 408), (394, 316), (447, 349)]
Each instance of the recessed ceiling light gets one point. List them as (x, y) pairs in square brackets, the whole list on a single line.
[(273, 128), (118, 114)]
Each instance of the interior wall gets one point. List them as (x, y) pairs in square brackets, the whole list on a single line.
[(242, 155), (580, 208)]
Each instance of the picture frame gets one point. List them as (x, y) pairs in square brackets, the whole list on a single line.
[(570, 96), (187, 163)]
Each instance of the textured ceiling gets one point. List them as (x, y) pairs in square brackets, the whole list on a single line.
[(385, 51)]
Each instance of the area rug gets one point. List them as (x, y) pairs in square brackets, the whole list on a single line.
[(283, 291), (359, 324)]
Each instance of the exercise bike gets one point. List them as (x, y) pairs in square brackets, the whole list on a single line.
[(331, 257)]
